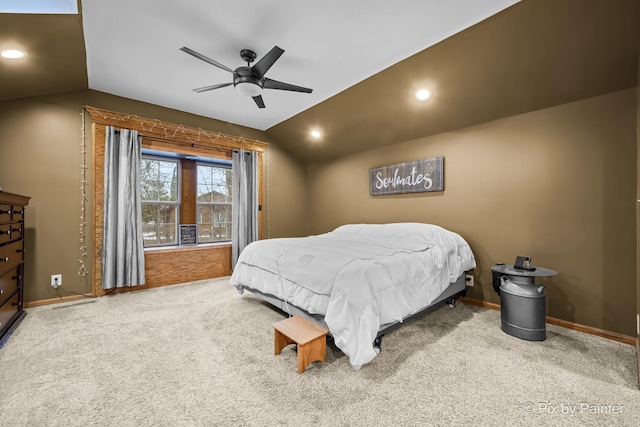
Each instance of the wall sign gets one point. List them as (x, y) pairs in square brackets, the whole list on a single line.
[(188, 234), (412, 177)]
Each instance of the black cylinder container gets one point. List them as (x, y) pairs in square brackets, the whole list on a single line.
[(523, 308)]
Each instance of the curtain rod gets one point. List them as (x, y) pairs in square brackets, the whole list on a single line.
[(189, 144), (194, 145)]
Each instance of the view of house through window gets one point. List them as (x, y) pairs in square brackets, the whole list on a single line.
[(162, 197), (160, 200), (213, 214)]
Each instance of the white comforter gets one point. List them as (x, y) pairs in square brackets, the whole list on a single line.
[(359, 276)]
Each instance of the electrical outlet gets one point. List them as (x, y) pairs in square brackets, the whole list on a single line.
[(468, 280), (56, 280)]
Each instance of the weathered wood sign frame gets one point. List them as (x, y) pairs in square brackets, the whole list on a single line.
[(411, 177)]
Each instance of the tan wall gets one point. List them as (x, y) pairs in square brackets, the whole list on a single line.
[(40, 157), (556, 184), (286, 193)]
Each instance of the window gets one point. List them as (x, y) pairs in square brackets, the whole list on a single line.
[(184, 189), (160, 200), (213, 201)]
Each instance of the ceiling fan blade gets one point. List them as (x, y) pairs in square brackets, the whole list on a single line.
[(262, 66), (259, 101), (274, 84), (206, 88), (205, 59)]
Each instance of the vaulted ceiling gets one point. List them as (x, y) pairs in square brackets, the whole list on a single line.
[(364, 63)]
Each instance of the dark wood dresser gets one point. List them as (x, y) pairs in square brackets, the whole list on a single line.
[(11, 261)]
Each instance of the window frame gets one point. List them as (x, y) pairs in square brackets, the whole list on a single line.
[(213, 163), (183, 193), (177, 203)]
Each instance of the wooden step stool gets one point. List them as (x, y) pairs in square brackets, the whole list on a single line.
[(309, 337)]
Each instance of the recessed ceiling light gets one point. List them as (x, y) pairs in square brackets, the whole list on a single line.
[(12, 54), (316, 133), (422, 94)]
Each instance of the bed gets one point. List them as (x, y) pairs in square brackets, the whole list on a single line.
[(359, 280)]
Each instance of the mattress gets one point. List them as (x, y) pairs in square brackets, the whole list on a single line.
[(358, 276)]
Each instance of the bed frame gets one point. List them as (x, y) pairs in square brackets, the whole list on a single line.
[(455, 290)]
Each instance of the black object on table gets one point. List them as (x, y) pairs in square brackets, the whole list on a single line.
[(522, 301)]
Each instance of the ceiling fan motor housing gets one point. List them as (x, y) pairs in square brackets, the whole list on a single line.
[(246, 82)]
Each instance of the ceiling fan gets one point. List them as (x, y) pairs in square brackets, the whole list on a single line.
[(250, 80)]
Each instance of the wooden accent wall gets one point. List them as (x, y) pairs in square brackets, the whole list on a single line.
[(99, 139), (189, 180), (164, 132), (172, 265)]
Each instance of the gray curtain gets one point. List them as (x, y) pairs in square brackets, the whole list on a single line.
[(122, 248), (244, 201)]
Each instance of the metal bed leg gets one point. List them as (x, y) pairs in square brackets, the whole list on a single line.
[(377, 343)]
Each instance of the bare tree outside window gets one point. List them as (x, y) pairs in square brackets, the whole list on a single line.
[(160, 202)]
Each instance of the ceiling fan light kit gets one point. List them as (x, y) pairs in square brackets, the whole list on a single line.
[(250, 80), (248, 89), (246, 83)]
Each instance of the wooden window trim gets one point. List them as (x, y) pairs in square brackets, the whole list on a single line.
[(162, 136)]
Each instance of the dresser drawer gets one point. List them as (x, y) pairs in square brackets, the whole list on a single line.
[(10, 231), (8, 284), (17, 213), (11, 255), (9, 310), (5, 213)]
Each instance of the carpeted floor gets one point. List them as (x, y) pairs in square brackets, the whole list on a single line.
[(201, 355)]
